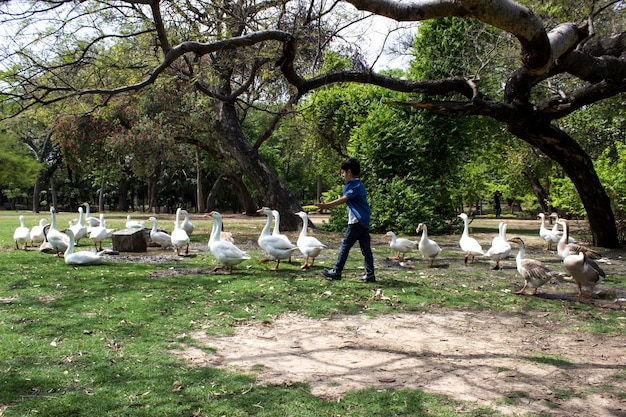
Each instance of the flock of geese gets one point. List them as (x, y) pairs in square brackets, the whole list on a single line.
[(221, 244), (578, 260)]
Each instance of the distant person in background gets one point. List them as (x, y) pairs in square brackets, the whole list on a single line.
[(496, 202)]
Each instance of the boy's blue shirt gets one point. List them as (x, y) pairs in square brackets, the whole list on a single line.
[(357, 201)]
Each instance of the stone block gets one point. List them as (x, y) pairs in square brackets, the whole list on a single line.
[(129, 240)]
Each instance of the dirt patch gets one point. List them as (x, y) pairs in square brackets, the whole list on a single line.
[(515, 363), (540, 366)]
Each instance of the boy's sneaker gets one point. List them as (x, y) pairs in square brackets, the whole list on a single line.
[(366, 278), (331, 274)]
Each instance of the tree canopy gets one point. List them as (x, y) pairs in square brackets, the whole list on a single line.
[(568, 60)]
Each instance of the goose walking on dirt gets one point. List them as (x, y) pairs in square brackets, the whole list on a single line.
[(534, 272), (584, 271), (427, 247), (276, 247), (468, 244), (401, 245), (224, 251), (310, 246)]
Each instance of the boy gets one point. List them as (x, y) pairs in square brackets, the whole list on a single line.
[(355, 197)]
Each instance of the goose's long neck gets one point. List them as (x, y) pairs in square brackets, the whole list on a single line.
[(154, 225), (215, 231), (177, 225), (268, 224), (465, 228), (53, 220), (70, 247), (424, 233), (276, 215), (521, 253), (305, 226)]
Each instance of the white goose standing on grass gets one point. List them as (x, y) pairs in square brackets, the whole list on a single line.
[(187, 225), (224, 251), (276, 229), (468, 244), (21, 235), (90, 221), (550, 236), (180, 238), (500, 247), (37, 233), (79, 229), (427, 247), (534, 272), (275, 247), (58, 241), (160, 238), (401, 245), (310, 246), (98, 233), (84, 257)]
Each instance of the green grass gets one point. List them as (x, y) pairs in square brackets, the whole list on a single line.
[(98, 340)]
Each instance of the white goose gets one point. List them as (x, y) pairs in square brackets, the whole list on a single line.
[(310, 246), (550, 236), (187, 225), (427, 247), (79, 229), (160, 238), (90, 221), (401, 245), (274, 246), (21, 235), (98, 233), (276, 229), (585, 271), (534, 272), (180, 238), (500, 247), (58, 241), (84, 257), (134, 224), (37, 233), (468, 244), (224, 251)]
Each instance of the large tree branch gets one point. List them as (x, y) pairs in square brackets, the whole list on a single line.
[(504, 14)]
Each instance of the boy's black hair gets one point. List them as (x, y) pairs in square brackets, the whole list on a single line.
[(353, 165)]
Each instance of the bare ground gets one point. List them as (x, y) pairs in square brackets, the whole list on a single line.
[(508, 362), (465, 355)]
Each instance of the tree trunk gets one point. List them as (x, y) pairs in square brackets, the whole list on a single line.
[(153, 198), (37, 194), (565, 151), (53, 193), (273, 192), (199, 194), (249, 206), (210, 203), (538, 190), (122, 194), (101, 195)]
